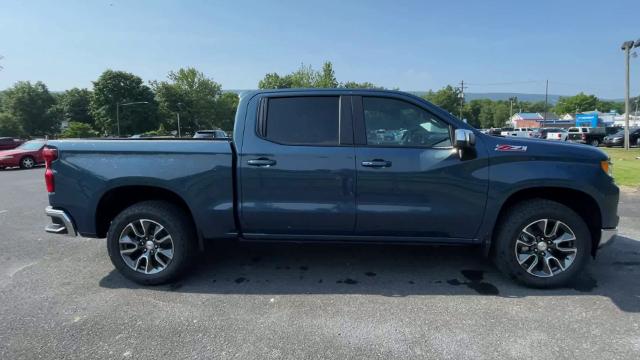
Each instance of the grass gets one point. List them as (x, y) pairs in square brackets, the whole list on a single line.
[(626, 166)]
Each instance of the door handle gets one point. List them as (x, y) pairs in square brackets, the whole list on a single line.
[(376, 163), (262, 162)]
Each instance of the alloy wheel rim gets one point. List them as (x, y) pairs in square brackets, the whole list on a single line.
[(27, 162), (146, 246), (546, 247)]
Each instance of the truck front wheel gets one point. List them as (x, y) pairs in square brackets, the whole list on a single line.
[(541, 243), (151, 242)]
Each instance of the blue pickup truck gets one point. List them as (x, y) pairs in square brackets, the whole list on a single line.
[(337, 165)]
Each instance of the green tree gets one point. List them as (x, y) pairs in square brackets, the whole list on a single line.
[(9, 126), (275, 81), (79, 130), (327, 77), (578, 103), (191, 94), (75, 105), (617, 106), (226, 106), (29, 104), (447, 98), (362, 85), (501, 113), (119, 87), (486, 115)]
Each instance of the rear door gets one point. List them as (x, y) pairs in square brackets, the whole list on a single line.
[(410, 180), (297, 168)]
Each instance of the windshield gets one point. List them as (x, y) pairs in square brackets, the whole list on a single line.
[(31, 145), (621, 132)]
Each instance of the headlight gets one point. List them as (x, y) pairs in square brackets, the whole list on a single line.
[(6, 157)]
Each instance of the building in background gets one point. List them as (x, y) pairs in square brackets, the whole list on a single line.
[(537, 120)]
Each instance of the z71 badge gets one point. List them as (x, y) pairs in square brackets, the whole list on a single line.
[(510, 148)]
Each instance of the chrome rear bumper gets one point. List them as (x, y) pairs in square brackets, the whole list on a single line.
[(61, 222), (607, 236)]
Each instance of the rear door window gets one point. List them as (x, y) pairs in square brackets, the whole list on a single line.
[(303, 120)]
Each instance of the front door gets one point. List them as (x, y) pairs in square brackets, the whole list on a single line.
[(410, 180), (297, 168)]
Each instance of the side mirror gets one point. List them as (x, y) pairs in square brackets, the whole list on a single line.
[(464, 139)]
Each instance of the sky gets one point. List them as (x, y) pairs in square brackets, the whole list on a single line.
[(494, 46)]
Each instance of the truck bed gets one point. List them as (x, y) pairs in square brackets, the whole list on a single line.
[(198, 171)]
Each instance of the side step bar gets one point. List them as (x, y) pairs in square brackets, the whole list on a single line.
[(61, 222)]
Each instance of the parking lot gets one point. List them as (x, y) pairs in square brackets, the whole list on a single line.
[(61, 298)]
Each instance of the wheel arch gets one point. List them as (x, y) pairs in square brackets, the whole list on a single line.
[(113, 201), (579, 201)]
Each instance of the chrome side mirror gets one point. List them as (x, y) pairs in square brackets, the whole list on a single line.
[(464, 139)]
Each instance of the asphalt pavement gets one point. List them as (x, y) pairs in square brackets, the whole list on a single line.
[(60, 298)]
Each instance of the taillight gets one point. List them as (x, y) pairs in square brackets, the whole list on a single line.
[(584, 136), (49, 156), (559, 136)]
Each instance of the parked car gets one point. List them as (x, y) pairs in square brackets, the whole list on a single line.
[(290, 174), (8, 143), (26, 156), (521, 132), (494, 131), (505, 131), (617, 139), (587, 135), (210, 134), (558, 134)]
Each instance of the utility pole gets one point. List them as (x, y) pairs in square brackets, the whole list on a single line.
[(546, 98), (461, 98), (627, 50), (179, 109)]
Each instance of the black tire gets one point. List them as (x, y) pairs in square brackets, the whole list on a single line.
[(516, 219), (594, 142), (176, 223), (27, 162)]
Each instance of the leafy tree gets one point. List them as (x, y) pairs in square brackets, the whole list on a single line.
[(447, 98), (29, 105), (226, 106), (79, 130), (606, 106), (191, 94), (485, 118), (275, 81), (75, 105), (327, 77), (578, 103), (119, 87), (9, 126), (534, 107), (501, 113), (472, 111), (362, 85)]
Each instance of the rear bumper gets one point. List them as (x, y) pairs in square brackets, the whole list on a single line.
[(61, 222), (607, 236)]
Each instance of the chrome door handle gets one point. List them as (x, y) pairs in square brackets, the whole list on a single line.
[(376, 163), (261, 162)]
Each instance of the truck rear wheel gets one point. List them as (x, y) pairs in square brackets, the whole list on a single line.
[(595, 142), (151, 242), (541, 243)]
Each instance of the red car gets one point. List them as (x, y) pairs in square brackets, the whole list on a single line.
[(8, 143), (26, 155)]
